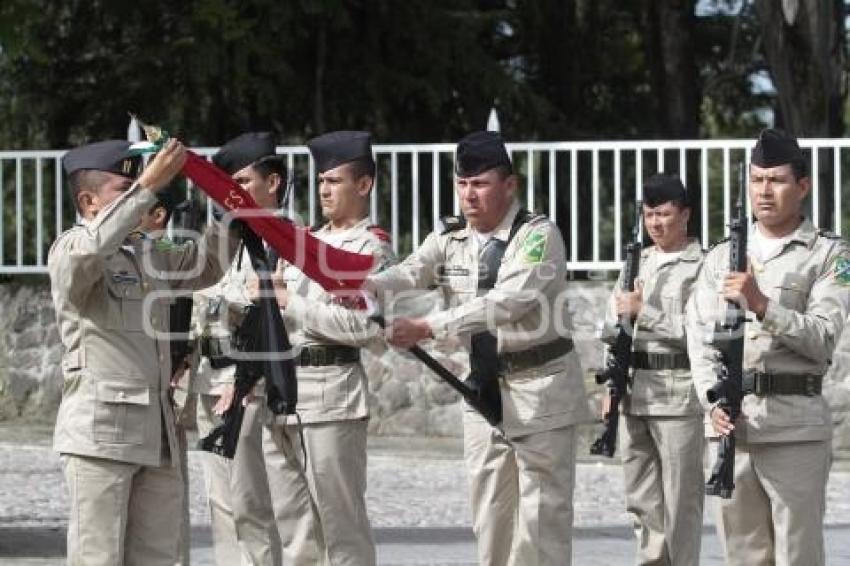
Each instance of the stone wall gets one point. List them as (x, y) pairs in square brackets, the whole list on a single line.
[(406, 398)]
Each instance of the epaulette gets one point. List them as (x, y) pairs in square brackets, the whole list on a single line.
[(380, 233), (828, 234), (452, 223), (717, 243)]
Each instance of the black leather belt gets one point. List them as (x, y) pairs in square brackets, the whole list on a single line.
[(328, 356), (652, 360), (512, 362), (762, 384)]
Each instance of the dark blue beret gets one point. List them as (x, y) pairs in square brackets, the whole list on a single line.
[(337, 148), (244, 150), (111, 156), (479, 152)]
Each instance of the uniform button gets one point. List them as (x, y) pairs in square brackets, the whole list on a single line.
[(120, 395), (754, 335), (145, 285)]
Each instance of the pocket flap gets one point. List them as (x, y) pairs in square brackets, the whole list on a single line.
[(109, 392)]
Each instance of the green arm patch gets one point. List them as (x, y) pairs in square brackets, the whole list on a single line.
[(841, 271), (534, 247)]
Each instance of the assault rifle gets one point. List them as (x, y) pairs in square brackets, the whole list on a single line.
[(264, 351), (187, 218), (492, 413), (728, 338), (616, 372)]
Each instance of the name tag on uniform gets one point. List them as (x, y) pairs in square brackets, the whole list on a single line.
[(455, 271), (124, 278)]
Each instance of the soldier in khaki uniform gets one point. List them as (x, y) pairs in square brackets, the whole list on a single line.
[(521, 474), (237, 490), (115, 426), (797, 292), (317, 472), (662, 431)]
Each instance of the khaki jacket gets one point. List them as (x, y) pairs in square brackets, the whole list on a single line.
[(526, 308), (111, 298), (314, 317), (807, 284), (227, 298), (660, 328)]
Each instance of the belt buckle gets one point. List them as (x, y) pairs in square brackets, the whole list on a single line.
[(811, 386), (764, 385)]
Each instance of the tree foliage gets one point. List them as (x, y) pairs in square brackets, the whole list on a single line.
[(411, 71)]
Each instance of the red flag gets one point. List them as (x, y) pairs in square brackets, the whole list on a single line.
[(330, 267)]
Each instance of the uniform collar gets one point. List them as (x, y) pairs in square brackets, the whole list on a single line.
[(349, 234), (502, 230), (691, 252), (806, 233)]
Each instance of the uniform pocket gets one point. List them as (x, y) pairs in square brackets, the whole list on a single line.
[(793, 292), (125, 298), (120, 412)]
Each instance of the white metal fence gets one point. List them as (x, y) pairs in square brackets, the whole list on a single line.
[(588, 188)]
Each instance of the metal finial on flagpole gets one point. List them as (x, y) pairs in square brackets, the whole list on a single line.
[(493, 121), (134, 133)]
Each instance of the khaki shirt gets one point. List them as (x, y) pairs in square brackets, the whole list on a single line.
[(314, 317), (217, 313), (111, 298), (660, 328), (526, 308), (809, 301)]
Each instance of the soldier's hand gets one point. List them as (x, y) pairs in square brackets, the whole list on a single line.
[(407, 332), (743, 290), (252, 289), (721, 422), (164, 166), (629, 303), (225, 400), (606, 405)]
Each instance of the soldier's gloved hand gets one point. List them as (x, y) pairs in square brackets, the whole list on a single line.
[(629, 303), (721, 422), (407, 332), (164, 166), (743, 290)]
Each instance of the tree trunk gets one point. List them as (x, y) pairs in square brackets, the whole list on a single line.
[(805, 51), (673, 71)]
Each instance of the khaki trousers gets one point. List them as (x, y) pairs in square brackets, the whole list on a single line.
[(121, 513), (184, 540), (663, 470), (521, 493), (238, 492), (320, 508), (775, 515)]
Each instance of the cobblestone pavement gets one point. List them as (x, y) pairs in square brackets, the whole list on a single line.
[(417, 504)]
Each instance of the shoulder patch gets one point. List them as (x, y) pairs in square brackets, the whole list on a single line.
[(841, 270), (452, 223), (534, 247), (717, 243), (828, 234), (380, 233)]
